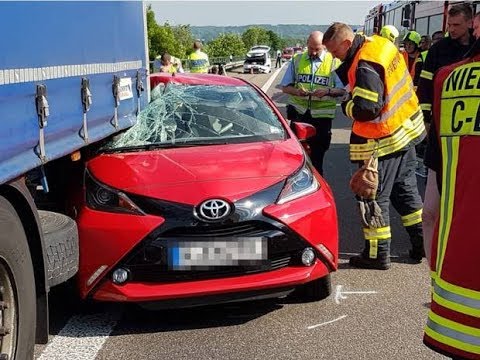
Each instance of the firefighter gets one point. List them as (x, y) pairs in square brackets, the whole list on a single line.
[(198, 60), (446, 51), (389, 32), (387, 124), (313, 87), (411, 54), (453, 326)]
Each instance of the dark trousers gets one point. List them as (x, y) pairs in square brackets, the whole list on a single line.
[(397, 185), (319, 143), (278, 63)]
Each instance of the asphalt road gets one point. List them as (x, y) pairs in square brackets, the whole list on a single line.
[(370, 315)]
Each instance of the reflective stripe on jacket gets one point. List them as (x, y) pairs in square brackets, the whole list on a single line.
[(319, 108), (453, 326), (198, 62), (400, 121)]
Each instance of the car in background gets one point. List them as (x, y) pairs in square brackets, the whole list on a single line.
[(287, 54), (209, 198), (258, 60)]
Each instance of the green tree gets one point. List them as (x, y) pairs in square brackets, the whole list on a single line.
[(226, 45), (184, 39), (255, 36)]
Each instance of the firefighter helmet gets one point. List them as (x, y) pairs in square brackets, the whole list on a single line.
[(413, 36), (389, 32)]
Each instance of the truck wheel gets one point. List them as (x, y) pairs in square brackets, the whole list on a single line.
[(314, 290), (61, 242), (17, 288)]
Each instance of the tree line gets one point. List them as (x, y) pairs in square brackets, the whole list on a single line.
[(178, 40)]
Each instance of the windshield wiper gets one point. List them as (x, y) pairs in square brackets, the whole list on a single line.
[(148, 147)]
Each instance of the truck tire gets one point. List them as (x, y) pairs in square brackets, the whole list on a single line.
[(61, 242), (17, 288)]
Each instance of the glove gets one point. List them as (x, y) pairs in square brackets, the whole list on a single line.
[(370, 214), (364, 182)]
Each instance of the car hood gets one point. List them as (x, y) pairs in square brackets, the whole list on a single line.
[(190, 175)]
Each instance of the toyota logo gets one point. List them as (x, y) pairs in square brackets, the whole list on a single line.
[(214, 209)]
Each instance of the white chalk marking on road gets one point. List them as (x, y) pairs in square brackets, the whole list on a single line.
[(326, 323), (340, 295), (269, 82), (82, 337)]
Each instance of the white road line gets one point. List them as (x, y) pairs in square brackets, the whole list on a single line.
[(326, 323), (82, 337), (269, 82)]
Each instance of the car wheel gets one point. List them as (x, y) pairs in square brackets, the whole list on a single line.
[(314, 290), (17, 288), (61, 240)]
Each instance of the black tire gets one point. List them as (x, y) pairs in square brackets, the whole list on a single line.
[(60, 234), (17, 284), (314, 290)]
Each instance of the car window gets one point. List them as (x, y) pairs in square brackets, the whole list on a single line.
[(194, 113)]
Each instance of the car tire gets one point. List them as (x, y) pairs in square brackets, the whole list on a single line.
[(61, 242), (314, 290), (17, 287)]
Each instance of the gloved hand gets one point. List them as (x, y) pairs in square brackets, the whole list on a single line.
[(364, 182), (345, 100), (370, 214)]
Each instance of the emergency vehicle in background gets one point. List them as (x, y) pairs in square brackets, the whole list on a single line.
[(425, 17), (287, 54)]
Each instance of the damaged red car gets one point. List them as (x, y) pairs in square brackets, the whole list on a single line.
[(209, 198)]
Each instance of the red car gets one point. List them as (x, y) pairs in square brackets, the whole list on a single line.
[(208, 198)]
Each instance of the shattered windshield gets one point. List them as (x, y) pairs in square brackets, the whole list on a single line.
[(199, 114)]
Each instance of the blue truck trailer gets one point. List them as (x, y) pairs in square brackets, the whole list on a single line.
[(71, 74)]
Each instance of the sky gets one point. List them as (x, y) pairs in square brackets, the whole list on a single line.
[(248, 12)]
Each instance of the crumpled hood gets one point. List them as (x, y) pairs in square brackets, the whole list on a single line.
[(190, 175)]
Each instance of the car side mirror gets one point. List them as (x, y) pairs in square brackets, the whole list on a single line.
[(303, 131)]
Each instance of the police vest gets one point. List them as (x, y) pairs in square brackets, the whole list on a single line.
[(322, 78), (400, 121), (198, 62), (453, 325)]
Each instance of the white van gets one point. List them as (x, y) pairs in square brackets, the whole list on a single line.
[(258, 60)]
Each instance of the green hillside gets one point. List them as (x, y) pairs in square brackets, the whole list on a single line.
[(208, 33)]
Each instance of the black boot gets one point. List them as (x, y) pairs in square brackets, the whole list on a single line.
[(417, 252), (380, 263)]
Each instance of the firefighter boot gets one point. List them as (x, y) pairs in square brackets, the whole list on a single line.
[(374, 256), (417, 252)]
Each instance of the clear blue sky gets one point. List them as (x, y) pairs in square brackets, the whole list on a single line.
[(228, 12)]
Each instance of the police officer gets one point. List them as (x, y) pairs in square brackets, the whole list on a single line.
[(387, 123), (453, 326), (313, 87), (198, 60)]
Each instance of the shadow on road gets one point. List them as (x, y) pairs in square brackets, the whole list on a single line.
[(140, 320)]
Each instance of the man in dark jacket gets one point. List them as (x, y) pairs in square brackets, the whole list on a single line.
[(445, 52)]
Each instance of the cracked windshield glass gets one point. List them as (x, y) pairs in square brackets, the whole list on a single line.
[(199, 114)]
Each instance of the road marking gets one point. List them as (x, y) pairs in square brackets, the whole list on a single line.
[(269, 82), (82, 337), (326, 323), (339, 294)]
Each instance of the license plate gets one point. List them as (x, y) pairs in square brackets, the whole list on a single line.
[(187, 255)]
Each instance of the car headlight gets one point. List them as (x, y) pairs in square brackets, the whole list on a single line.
[(104, 198), (302, 183)]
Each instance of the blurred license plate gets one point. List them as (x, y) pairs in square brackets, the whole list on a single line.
[(185, 255)]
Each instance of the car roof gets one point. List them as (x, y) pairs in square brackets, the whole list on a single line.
[(195, 79)]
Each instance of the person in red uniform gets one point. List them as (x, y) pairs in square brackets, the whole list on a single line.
[(453, 326)]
